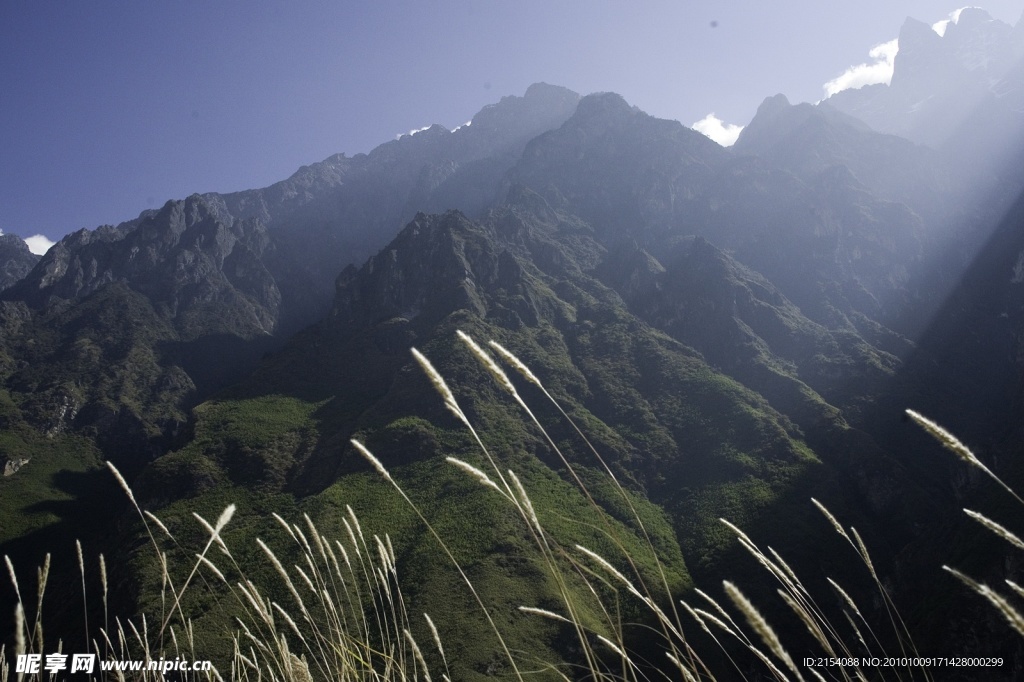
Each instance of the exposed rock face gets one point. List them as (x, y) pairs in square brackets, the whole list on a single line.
[(11, 466), (205, 275), (343, 210), (15, 260), (729, 325), (643, 181), (946, 87), (808, 140), (211, 282)]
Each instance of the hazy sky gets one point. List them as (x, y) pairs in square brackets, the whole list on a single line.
[(108, 108)]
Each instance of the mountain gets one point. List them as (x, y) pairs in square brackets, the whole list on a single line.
[(15, 259), (216, 280), (735, 330), (706, 386), (940, 83)]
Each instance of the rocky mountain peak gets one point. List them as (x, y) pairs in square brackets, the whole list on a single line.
[(923, 62), (950, 90), (607, 106), (540, 101), (773, 105), (430, 266), (184, 258), (15, 259)]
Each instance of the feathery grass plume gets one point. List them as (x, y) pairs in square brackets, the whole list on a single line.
[(450, 402), (739, 533), (856, 631), (1012, 615), (103, 582), (437, 640), (670, 626), (518, 364), (702, 617), (123, 483), (863, 550), (417, 654), (214, 531), (284, 524), (525, 503), (44, 576), (281, 572), (85, 604), (369, 457), (722, 612), (1016, 588), (306, 579), (439, 383), (477, 474), (613, 646), (288, 619), (687, 675), (601, 561), (832, 519), (846, 598), (19, 634), (996, 528), (299, 669), (544, 613), (448, 553), (489, 363), (158, 523), (953, 444), (760, 626), (899, 627), (808, 620), (13, 575)]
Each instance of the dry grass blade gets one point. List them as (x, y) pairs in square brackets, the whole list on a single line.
[(760, 626), (996, 528), (687, 675), (862, 548), (613, 646), (374, 462), (417, 654), (808, 620), (518, 364), (13, 576), (437, 638), (447, 551), (19, 634), (832, 519), (544, 613), (1016, 588), (85, 604), (477, 474), (953, 444), (489, 363), (439, 383), (1012, 615)]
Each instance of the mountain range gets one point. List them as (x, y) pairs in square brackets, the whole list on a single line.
[(737, 329)]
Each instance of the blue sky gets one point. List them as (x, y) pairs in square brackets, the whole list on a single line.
[(109, 108)]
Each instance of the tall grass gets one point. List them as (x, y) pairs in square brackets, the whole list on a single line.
[(343, 615)]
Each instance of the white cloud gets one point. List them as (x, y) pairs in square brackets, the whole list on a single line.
[(718, 130), (954, 16), (399, 136), (877, 71), (39, 244)]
